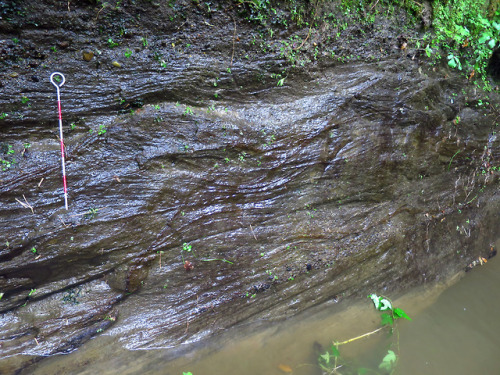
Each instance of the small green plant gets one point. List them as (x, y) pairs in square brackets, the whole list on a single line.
[(185, 248), (331, 360), (188, 111), (144, 42), (6, 164), (24, 99), (454, 62), (101, 130), (33, 250), (32, 292), (428, 51), (480, 103), (3, 115), (112, 44), (128, 53)]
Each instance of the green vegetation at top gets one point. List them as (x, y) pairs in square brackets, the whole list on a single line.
[(467, 31), (462, 34)]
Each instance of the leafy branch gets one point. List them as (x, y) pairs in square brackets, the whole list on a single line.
[(331, 361)]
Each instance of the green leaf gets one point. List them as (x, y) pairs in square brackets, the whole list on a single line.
[(386, 319), (388, 361), (452, 61), (385, 304), (326, 357), (335, 351), (187, 373), (492, 43), (463, 31), (484, 37), (363, 370), (428, 51), (380, 303), (399, 313), (376, 300), (496, 25)]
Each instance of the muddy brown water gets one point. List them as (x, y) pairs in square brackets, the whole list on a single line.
[(454, 331)]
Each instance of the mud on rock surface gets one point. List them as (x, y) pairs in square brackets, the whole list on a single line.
[(377, 174)]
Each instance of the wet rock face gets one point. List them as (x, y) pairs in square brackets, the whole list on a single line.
[(349, 178)]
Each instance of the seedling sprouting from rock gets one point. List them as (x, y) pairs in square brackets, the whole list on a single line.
[(186, 248), (102, 130)]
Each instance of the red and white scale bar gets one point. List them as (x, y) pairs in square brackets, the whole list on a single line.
[(58, 86)]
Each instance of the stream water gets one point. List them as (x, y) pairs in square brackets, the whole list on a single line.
[(454, 330)]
